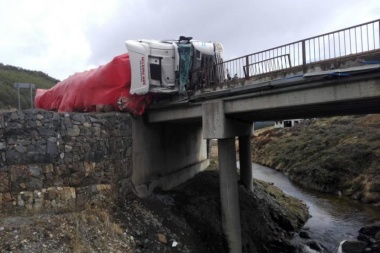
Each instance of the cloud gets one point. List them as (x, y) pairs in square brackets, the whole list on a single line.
[(64, 37), (48, 36), (242, 26)]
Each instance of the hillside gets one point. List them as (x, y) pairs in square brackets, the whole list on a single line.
[(337, 155), (10, 75)]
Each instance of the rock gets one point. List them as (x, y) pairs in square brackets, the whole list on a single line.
[(52, 139), (93, 120), (314, 245), (21, 149), (303, 249), (68, 148), (35, 171), (4, 182), (79, 117), (12, 156), (87, 124), (48, 168), (375, 246), (139, 232), (377, 236), (34, 184), (39, 117), (370, 229), (3, 146), (73, 131), (304, 235), (162, 238), (364, 238), (43, 131), (353, 246), (14, 116), (51, 149)]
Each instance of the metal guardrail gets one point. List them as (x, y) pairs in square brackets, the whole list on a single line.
[(345, 42), (269, 65)]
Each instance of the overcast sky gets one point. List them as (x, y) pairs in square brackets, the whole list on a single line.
[(64, 37)]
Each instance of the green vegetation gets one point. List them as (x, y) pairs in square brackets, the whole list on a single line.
[(10, 75), (338, 155)]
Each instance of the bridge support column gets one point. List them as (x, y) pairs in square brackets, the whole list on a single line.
[(245, 158), (165, 155), (217, 126), (229, 194)]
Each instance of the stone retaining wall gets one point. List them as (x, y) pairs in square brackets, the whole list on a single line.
[(50, 160)]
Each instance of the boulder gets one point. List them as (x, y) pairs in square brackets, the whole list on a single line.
[(353, 246), (370, 229)]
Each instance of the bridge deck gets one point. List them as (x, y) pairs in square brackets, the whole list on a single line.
[(350, 55)]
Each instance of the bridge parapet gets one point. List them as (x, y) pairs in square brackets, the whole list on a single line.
[(343, 48)]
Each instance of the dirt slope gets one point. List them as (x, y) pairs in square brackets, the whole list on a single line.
[(185, 219)]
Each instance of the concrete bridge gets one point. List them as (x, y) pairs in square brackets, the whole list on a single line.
[(337, 73)]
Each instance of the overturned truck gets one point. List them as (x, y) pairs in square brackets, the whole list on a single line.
[(150, 69)]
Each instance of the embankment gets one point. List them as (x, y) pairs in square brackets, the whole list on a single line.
[(191, 215), (336, 155)]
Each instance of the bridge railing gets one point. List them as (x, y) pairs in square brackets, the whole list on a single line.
[(345, 42)]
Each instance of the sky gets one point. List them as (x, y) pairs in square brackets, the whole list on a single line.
[(61, 38)]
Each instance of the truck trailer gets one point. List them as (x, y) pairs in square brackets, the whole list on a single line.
[(131, 81)]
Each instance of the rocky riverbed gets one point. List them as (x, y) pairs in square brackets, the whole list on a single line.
[(368, 241), (184, 219)]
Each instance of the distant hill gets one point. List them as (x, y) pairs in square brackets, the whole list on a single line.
[(10, 75)]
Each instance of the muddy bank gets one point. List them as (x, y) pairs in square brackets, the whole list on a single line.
[(268, 216), (338, 155), (185, 219)]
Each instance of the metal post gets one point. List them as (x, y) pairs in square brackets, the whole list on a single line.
[(247, 64), (245, 161), (18, 96), (31, 97), (304, 56), (379, 33), (229, 194)]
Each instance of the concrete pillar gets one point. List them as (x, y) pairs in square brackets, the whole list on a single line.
[(229, 194), (165, 155), (245, 158)]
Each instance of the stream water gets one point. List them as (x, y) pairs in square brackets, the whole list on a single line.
[(333, 218)]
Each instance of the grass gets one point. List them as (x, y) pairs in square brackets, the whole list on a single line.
[(91, 225)]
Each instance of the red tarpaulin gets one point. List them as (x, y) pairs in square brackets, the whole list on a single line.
[(104, 86)]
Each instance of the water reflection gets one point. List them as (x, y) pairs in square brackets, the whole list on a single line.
[(333, 218)]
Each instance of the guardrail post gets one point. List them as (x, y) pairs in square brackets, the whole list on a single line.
[(247, 68), (18, 97), (378, 21), (304, 56)]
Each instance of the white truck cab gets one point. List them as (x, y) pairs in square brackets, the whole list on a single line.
[(165, 66)]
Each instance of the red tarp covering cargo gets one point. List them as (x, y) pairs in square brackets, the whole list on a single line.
[(105, 86)]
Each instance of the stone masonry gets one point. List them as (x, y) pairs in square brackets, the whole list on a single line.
[(56, 161)]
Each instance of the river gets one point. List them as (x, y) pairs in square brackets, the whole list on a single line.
[(333, 218)]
